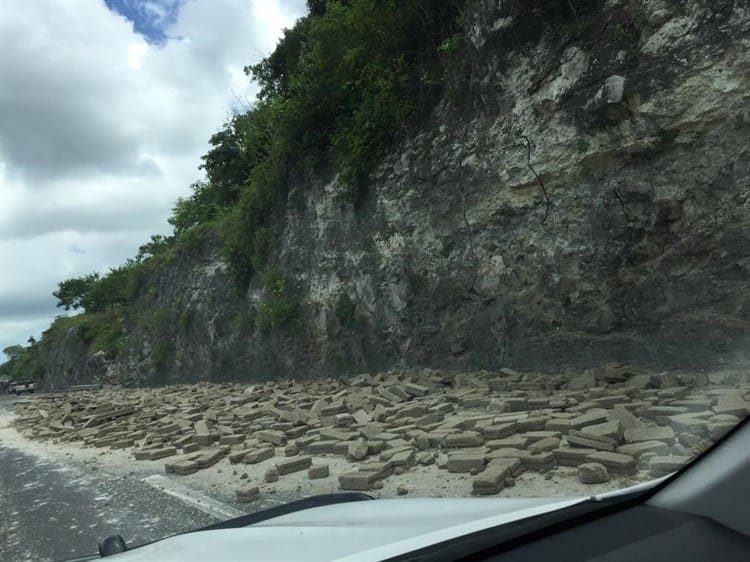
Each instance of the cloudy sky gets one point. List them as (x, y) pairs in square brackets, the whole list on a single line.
[(105, 109)]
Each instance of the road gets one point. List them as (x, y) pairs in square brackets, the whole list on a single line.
[(52, 510)]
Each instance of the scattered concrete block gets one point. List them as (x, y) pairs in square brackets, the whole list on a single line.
[(258, 455), (356, 450), (247, 494), (637, 435), (635, 450), (273, 436), (293, 464), (492, 479), (318, 471), (580, 439), (459, 463), (358, 481), (592, 473), (572, 456), (615, 462), (662, 465)]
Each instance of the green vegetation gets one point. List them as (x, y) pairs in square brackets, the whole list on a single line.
[(343, 84)]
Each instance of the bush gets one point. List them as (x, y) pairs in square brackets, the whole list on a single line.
[(277, 308)]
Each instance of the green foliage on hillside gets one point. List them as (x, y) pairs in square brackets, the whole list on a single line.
[(343, 84)]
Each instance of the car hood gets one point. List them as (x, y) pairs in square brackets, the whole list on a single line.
[(364, 530)]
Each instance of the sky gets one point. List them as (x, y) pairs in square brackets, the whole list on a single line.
[(106, 107)]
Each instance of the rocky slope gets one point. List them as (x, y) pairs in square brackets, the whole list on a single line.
[(579, 196)]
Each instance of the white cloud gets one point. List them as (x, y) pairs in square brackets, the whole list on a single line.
[(102, 130)]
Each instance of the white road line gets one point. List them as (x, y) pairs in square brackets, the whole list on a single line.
[(194, 499)]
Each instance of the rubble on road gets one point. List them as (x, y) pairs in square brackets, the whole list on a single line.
[(486, 427)]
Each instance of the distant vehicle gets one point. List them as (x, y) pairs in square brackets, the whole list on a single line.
[(19, 387)]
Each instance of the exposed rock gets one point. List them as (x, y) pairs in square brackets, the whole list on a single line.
[(357, 450), (318, 471), (592, 473), (248, 493)]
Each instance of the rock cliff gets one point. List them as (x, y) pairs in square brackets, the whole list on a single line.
[(579, 196)]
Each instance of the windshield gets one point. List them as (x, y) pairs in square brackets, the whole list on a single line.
[(258, 251)]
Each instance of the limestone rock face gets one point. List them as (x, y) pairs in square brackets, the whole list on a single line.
[(579, 196)]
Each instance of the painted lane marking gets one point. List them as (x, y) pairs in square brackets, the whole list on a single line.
[(194, 499)]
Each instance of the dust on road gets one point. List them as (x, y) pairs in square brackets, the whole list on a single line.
[(52, 510)]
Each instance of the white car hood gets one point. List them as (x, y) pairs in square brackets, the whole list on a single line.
[(364, 530)]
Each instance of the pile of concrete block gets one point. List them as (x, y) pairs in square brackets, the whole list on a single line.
[(490, 426)]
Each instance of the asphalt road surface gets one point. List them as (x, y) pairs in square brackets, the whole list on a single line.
[(56, 511)]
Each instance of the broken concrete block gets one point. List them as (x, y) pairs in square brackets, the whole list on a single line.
[(293, 464), (231, 439), (492, 479), (717, 430), (557, 424), (465, 439), (606, 429), (403, 458), (545, 445), (430, 419), (271, 475), (318, 471), (458, 462), (336, 434), (688, 440), (499, 431), (582, 382), (247, 494), (689, 423), (572, 456), (237, 456), (592, 417), (161, 453), (534, 436), (580, 439), (210, 457), (637, 435), (532, 423), (644, 461), (732, 404), (273, 436), (320, 447), (539, 462), (362, 417), (358, 481), (356, 450), (182, 467), (592, 473), (258, 455), (625, 417), (516, 442), (344, 420), (383, 468), (516, 404), (662, 465), (635, 450), (416, 389), (425, 459), (615, 462)]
